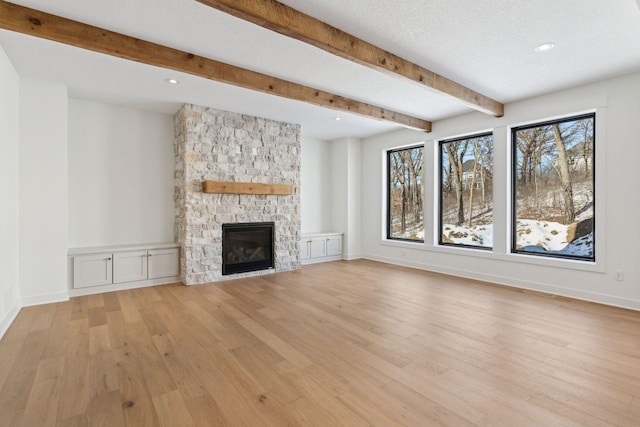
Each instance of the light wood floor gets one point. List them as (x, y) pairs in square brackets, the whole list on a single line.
[(346, 343)]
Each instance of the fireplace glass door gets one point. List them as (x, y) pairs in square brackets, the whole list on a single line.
[(247, 247)]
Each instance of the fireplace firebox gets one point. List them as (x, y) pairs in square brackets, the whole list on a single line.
[(247, 247)]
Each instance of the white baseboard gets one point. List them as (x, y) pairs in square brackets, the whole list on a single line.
[(346, 257), (632, 304), (28, 301), (9, 318), (121, 286), (320, 259)]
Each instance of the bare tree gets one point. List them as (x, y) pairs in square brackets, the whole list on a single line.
[(585, 127), (406, 188), (399, 181), (476, 155), (456, 156), (565, 177), (416, 172), (486, 165)]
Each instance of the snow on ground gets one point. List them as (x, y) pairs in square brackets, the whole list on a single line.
[(533, 236), (478, 235), (551, 237)]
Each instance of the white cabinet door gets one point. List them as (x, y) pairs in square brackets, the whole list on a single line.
[(305, 248), (334, 245), (130, 266), (92, 270), (164, 263), (318, 247)]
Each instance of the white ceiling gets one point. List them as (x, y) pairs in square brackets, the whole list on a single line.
[(487, 46)]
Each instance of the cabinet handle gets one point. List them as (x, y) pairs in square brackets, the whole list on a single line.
[(149, 254), (109, 259)]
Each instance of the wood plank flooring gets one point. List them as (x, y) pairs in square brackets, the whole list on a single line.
[(354, 343)]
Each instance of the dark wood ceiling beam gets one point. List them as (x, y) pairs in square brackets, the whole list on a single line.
[(285, 20), (40, 24)]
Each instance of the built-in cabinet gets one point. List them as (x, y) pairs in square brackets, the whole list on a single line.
[(124, 264), (320, 247)]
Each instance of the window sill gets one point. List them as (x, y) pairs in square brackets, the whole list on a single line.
[(596, 267)]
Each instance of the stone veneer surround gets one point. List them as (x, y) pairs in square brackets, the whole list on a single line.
[(223, 146)]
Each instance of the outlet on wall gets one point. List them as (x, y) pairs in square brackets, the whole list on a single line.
[(619, 275)]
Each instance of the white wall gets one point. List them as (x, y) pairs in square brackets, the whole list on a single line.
[(346, 155), (9, 285), (617, 199), (43, 191), (315, 185), (330, 190), (121, 165), (353, 247)]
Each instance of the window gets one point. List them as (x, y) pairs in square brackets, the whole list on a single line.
[(553, 188), (405, 208), (466, 191)]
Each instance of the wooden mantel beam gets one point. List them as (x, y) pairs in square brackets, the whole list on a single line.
[(40, 24), (285, 20), (222, 187)]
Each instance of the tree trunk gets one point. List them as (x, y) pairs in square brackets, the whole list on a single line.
[(409, 174), (565, 177), (416, 170), (403, 217), (537, 163), (473, 181), (452, 152), (482, 180)]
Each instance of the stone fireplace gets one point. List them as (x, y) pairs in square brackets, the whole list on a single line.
[(222, 146)]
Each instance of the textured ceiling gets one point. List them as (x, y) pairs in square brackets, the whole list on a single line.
[(486, 46)]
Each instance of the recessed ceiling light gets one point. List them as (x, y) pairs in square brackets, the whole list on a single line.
[(544, 47), (338, 119), (172, 81)]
